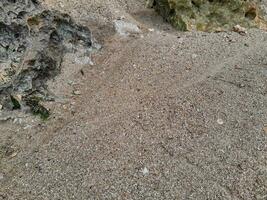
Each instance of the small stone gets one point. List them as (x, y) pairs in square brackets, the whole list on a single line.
[(124, 28), (265, 129), (121, 17), (242, 85), (97, 46), (151, 29), (220, 121), (14, 154), (27, 127), (239, 29), (188, 68), (194, 56), (83, 60), (238, 67), (77, 92), (145, 171), (61, 4), (1, 107)]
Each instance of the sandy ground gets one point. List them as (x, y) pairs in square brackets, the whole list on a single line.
[(160, 115)]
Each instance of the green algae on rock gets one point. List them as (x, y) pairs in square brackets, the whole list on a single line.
[(211, 15)]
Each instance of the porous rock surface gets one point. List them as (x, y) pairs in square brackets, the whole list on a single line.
[(216, 15), (33, 41)]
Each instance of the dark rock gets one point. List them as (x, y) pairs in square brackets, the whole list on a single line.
[(33, 42)]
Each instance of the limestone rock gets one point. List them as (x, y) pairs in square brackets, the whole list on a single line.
[(216, 15), (124, 28)]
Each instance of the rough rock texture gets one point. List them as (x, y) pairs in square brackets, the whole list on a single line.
[(216, 15), (33, 41)]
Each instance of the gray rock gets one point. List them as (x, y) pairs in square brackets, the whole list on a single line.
[(124, 28), (33, 42)]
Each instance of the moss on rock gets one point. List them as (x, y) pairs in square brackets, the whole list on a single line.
[(211, 15)]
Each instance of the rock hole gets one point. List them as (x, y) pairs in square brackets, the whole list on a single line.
[(251, 14)]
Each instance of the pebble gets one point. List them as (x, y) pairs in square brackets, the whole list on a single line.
[(239, 29), (14, 154), (83, 60), (124, 28), (77, 92), (145, 171), (220, 121), (194, 56), (27, 127), (121, 17), (61, 4)]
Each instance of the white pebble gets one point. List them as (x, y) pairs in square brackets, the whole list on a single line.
[(145, 171), (220, 121)]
